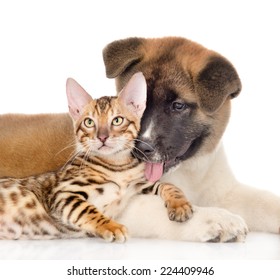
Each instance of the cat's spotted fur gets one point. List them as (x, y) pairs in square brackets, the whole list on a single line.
[(84, 196)]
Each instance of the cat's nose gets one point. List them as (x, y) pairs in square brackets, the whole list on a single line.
[(103, 138), (103, 134)]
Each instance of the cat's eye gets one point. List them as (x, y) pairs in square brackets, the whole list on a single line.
[(117, 121), (89, 122)]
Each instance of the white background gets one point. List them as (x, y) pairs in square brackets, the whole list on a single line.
[(44, 42)]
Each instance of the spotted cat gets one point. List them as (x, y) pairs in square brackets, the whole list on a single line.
[(85, 196)]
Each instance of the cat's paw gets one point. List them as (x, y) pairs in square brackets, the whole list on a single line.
[(113, 231), (179, 210)]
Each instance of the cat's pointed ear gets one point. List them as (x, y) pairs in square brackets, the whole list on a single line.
[(134, 95), (77, 98)]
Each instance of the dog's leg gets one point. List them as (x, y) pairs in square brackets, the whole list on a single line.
[(260, 209), (146, 216), (219, 188)]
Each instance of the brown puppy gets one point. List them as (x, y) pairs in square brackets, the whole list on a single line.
[(188, 107)]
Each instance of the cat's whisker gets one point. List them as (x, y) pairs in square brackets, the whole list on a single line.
[(71, 145), (84, 155), (71, 158), (87, 154), (73, 154), (144, 158), (140, 151), (144, 143), (132, 147)]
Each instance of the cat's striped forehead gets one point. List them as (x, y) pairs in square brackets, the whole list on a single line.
[(103, 104)]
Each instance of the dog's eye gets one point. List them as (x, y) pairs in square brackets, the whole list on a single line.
[(178, 106)]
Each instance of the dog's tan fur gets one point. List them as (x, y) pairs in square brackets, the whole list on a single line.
[(33, 144)]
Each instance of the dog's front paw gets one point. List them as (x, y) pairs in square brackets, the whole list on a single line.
[(179, 210), (219, 225)]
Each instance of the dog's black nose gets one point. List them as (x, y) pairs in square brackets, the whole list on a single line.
[(144, 147)]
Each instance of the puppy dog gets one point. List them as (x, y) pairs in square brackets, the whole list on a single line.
[(189, 93)]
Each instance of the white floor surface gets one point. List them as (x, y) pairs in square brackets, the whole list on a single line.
[(258, 246)]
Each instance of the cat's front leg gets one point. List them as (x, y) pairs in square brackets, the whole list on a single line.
[(80, 215), (178, 207)]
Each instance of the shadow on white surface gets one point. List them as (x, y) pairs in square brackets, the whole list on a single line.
[(257, 246)]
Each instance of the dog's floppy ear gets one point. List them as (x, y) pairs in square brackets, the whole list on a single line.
[(119, 55), (215, 82)]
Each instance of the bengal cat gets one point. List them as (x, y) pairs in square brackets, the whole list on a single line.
[(93, 188)]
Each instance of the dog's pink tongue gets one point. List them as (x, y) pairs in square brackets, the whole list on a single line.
[(153, 171)]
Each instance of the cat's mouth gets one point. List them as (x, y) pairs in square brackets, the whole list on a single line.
[(105, 148), (109, 149)]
